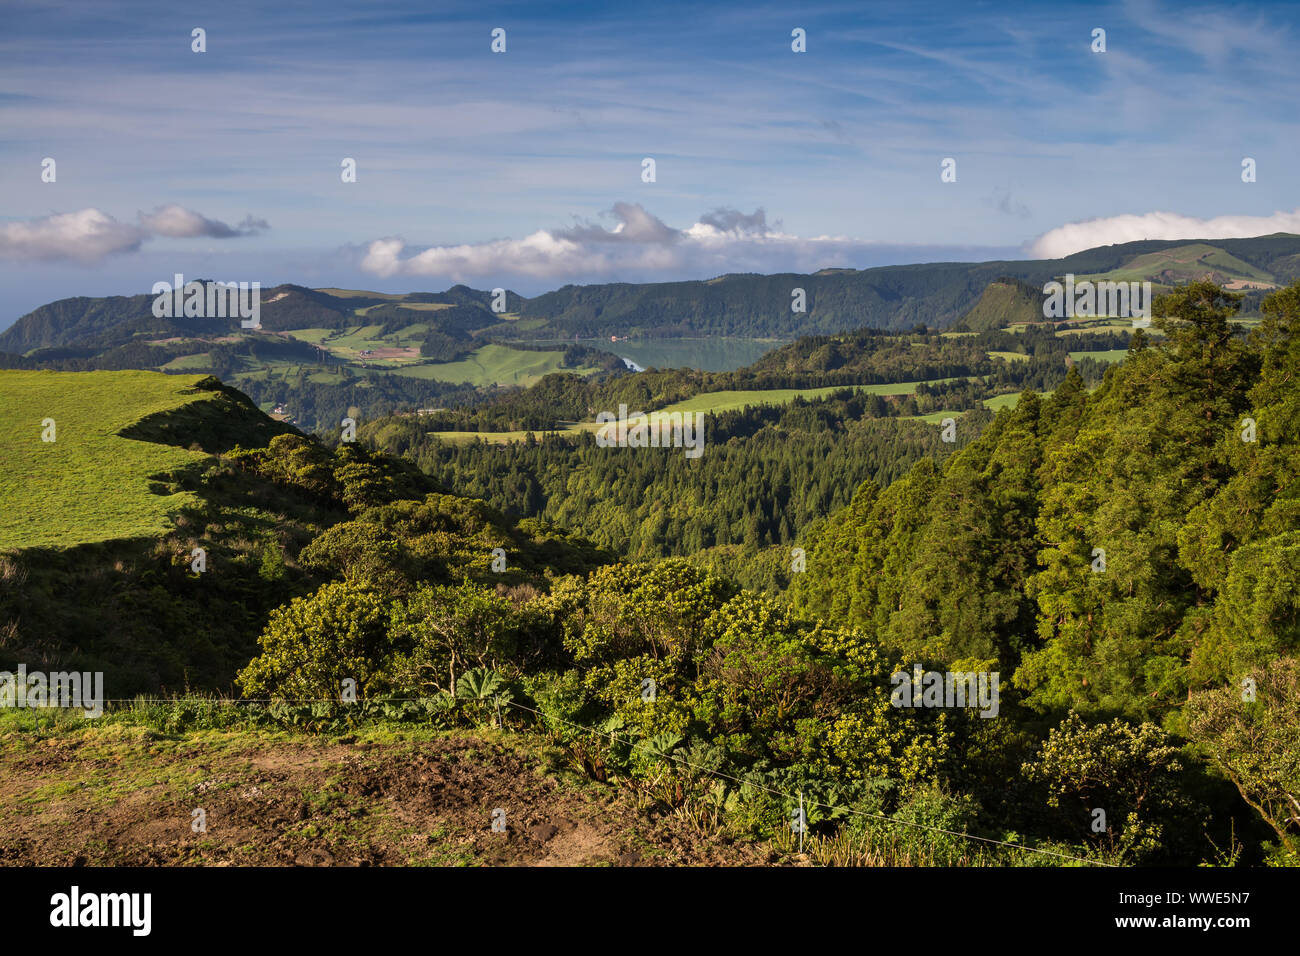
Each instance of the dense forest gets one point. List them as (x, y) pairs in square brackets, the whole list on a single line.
[(860, 357), (1114, 567), (1125, 558), (769, 470)]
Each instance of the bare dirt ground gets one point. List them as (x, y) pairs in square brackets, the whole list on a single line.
[(410, 353), (124, 796)]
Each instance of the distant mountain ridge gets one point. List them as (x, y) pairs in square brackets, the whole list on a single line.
[(99, 323), (938, 295), (886, 297)]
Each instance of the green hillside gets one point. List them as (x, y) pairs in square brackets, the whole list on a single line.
[(1004, 302), (100, 526), (887, 297), (325, 354), (1189, 263), (100, 479), (321, 354), (103, 323)]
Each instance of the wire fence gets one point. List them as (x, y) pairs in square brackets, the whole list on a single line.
[(793, 798)]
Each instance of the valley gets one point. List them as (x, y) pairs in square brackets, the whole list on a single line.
[(492, 591), (323, 353)]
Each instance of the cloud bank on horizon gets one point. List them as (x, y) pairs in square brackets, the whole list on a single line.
[(727, 240), (638, 246), (1076, 236)]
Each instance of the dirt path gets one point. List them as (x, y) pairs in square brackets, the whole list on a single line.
[(124, 796)]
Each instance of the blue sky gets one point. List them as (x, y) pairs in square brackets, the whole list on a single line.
[(523, 169)]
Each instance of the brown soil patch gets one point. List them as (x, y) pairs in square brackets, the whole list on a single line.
[(412, 352), (309, 802)]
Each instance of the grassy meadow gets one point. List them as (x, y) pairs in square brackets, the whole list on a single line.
[(94, 485), (494, 365)]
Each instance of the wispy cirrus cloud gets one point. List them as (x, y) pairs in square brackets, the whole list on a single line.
[(459, 149), (88, 236)]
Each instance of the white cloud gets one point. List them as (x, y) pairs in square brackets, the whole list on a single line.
[(541, 255), (86, 236), (1077, 236), (639, 246), (181, 223), (89, 235)]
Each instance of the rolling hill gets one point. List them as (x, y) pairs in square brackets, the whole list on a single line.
[(1004, 302), (324, 354), (888, 297), (100, 463), (447, 326), (100, 527), (1188, 263)]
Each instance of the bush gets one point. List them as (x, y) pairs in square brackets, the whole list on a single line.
[(309, 647), (1131, 772)]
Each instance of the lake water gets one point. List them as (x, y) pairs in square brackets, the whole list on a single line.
[(707, 355)]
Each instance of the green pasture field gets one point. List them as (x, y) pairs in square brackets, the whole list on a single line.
[(1109, 355), (708, 402), (90, 484), (493, 364)]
